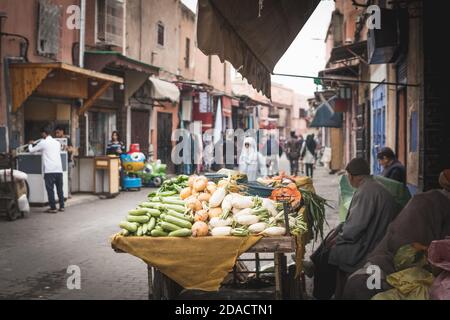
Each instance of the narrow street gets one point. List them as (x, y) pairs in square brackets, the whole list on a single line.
[(37, 251)]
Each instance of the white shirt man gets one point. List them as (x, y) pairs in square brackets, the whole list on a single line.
[(53, 171)]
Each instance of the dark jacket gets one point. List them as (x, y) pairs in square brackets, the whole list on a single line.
[(371, 211), (396, 171)]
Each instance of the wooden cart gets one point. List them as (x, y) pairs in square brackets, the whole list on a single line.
[(286, 285)]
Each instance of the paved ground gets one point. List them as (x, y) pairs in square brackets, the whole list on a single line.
[(36, 252)]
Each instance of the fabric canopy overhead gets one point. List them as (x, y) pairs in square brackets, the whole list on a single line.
[(164, 90), (250, 37), (326, 117)]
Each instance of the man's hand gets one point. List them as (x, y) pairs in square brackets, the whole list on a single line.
[(31, 142)]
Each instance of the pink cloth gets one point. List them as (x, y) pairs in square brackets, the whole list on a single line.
[(439, 257)]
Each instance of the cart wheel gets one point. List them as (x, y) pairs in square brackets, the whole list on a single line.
[(157, 181), (12, 210)]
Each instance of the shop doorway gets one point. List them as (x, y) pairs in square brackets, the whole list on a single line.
[(165, 139), (140, 129)]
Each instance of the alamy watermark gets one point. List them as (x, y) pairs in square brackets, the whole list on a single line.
[(374, 279), (74, 280)]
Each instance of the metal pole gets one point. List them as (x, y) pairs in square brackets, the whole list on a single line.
[(347, 80), (82, 33)]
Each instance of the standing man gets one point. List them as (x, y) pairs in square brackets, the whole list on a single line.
[(293, 148), (53, 172), (60, 134), (393, 169)]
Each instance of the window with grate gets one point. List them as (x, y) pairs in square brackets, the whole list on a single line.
[(160, 30), (110, 19), (49, 29)]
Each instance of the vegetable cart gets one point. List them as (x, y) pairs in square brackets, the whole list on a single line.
[(192, 232), (287, 286)]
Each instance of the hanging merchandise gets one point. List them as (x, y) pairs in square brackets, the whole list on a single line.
[(203, 104)]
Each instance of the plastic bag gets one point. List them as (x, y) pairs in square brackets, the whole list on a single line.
[(24, 205), (409, 284), (439, 257)]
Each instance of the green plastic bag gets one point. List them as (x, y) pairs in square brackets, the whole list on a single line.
[(398, 190)]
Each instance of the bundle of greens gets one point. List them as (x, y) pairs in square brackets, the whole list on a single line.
[(315, 212), (173, 185)]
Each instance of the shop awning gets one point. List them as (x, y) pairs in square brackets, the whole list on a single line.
[(252, 35), (100, 60), (326, 117), (164, 90), (356, 50), (57, 80), (347, 71)]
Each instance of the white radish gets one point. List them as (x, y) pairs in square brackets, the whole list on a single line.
[(235, 211), (221, 231), (245, 212), (270, 205), (247, 220), (274, 232), (227, 203), (217, 222), (242, 202), (217, 198), (257, 227)]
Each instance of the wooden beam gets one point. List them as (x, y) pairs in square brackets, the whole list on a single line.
[(24, 81), (88, 103), (70, 68)]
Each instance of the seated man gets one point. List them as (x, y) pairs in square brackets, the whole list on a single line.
[(392, 168), (426, 218), (346, 248)]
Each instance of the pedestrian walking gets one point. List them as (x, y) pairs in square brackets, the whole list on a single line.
[(53, 172), (249, 159), (308, 155), (293, 148)]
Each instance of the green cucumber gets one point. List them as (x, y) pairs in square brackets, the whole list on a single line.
[(139, 232), (177, 202), (129, 226), (138, 219), (167, 226), (180, 215), (151, 225), (137, 212), (153, 212), (166, 193), (144, 229), (125, 233), (159, 228), (151, 205), (174, 207), (182, 233), (176, 221), (158, 233)]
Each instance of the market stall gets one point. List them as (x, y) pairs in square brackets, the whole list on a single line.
[(193, 230)]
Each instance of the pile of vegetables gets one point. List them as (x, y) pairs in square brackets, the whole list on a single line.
[(193, 206), (163, 215)]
